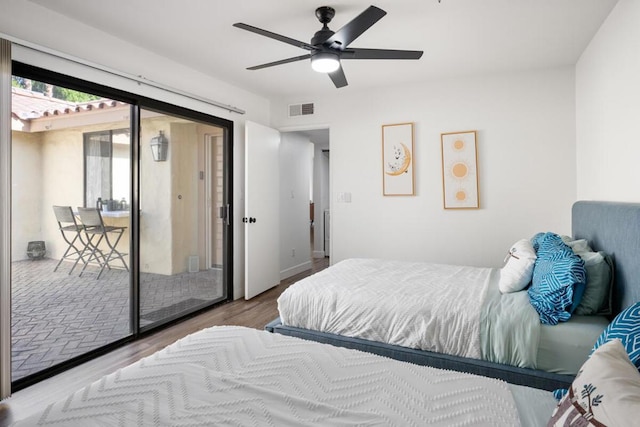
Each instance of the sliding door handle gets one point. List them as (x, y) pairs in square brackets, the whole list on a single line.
[(225, 214)]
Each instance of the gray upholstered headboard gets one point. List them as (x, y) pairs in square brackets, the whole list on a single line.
[(613, 227)]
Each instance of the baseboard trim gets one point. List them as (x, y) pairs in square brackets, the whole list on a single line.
[(318, 254), (292, 271)]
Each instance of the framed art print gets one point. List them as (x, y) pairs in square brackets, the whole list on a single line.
[(397, 160), (460, 170)]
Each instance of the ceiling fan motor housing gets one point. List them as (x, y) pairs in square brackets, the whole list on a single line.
[(325, 14), (321, 36)]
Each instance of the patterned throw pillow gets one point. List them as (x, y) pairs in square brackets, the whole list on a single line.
[(558, 273), (606, 391), (626, 328), (536, 240)]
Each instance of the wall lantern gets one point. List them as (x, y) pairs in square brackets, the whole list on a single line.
[(159, 147)]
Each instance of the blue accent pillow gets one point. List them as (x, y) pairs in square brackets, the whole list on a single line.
[(559, 278), (536, 240), (626, 328), (578, 292)]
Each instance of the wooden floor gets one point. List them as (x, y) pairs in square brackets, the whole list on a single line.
[(254, 313)]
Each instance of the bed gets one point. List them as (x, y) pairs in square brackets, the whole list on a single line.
[(613, 228), (231, 375)]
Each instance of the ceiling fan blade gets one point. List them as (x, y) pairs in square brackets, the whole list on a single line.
[(380, 54), (282, 61), (338, 77), (358, 25), (274, 36)]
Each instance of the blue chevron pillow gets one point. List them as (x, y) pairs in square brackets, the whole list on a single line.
[(559, 278), (625, 327)]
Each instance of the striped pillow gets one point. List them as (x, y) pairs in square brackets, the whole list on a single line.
[(626, 328), (557, 274)]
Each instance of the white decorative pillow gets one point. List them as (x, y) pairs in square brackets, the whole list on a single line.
[(606, 391), (517, 272)]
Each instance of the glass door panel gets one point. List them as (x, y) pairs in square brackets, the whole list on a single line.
[(181, 235), (70, 286)]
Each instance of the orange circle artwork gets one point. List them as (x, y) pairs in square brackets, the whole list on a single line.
[(458, 144), (459, 170), (461, 195)]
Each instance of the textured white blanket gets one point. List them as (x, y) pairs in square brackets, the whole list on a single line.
[(426, 306), (245, 377)]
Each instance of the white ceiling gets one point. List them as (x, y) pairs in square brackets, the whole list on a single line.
[(458, 37)]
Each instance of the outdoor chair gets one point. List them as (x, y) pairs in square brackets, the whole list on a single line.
[(70, 230), (97, 232)]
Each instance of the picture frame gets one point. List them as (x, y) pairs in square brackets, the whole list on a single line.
[(398, 178), (460, 170)]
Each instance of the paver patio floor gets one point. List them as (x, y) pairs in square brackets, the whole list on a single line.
[(57, 316)]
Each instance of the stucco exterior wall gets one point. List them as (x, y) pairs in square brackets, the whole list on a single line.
[(48, 170)]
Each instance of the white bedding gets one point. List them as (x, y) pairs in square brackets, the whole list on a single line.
[(240, 376), (450, 309), (418, 305)]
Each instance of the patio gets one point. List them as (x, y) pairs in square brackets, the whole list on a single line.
[(57, 316)]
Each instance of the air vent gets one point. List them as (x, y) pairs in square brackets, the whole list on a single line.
[(301, 109)]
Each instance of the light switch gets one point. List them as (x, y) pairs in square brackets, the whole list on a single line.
[(344, 197)]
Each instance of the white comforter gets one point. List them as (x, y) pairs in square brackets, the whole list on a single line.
[(426, 306), (240, 376)]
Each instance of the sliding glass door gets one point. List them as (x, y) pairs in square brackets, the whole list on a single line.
[(182, 196), (120, 219), (70, 287)]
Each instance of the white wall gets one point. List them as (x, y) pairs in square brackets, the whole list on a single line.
[(608, 109), (295, 173), (29, 22), (526, 153)]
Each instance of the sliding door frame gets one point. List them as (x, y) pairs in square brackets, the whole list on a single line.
[(5, 218)]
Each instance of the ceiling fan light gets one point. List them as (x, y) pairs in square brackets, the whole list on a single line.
[(325, 62)]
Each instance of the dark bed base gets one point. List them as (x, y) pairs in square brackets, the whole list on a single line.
[(521, 376)]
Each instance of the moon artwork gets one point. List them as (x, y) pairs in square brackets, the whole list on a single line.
[(397, 159), (400, 161), (459, 170)]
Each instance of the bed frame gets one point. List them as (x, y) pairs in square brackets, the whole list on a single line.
[(611, 227)]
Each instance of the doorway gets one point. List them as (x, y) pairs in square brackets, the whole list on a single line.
[(281, 189), (319, 191)]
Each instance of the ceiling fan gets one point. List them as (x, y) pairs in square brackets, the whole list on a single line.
[(327, 48)]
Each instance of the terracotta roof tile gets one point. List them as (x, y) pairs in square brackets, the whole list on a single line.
[(28, 105)]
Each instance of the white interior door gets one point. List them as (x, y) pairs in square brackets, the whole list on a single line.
[(262, 209)]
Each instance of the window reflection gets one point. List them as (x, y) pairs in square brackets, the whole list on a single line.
[(106, 169)]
